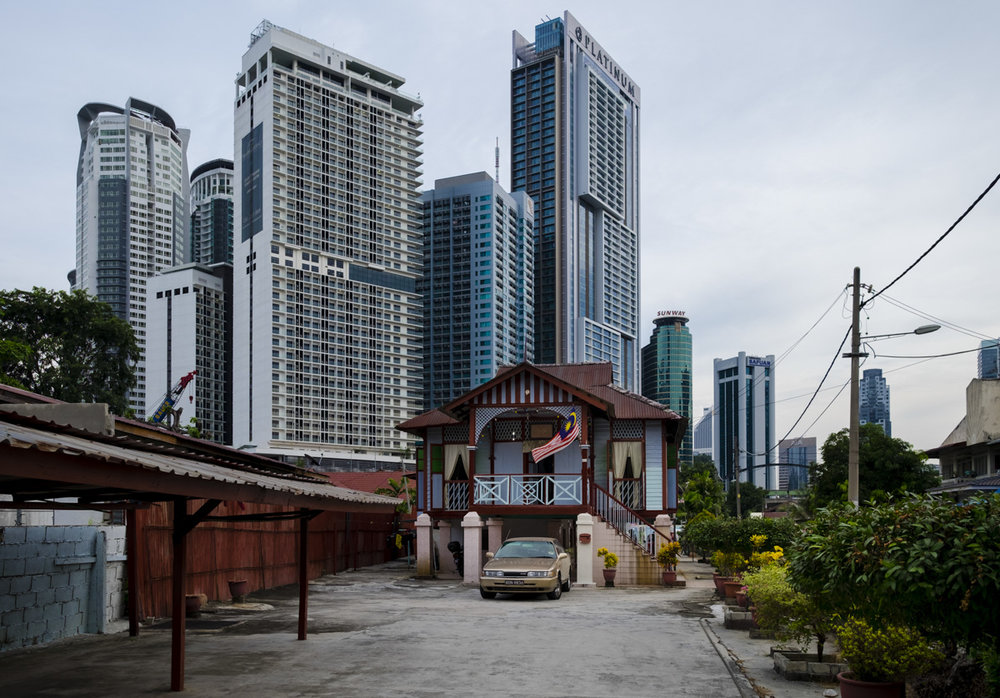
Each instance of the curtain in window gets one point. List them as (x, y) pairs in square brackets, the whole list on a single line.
[(452, 452), (621, 451)]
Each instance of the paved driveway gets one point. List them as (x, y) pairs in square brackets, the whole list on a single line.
[(377, 632)]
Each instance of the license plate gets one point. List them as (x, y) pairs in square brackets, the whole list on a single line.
[(514, 581)]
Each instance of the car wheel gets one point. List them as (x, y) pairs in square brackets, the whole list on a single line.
[(567, 585), (487, 594), (557, 592)]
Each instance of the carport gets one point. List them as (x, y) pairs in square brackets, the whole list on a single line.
[(61, 456)]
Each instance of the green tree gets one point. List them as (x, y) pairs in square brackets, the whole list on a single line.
[(701, 492), (78, 350), (400, 489), (751, 499), (885, 466), (701, 464)]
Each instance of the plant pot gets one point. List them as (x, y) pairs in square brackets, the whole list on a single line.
[(732, 586), (720, 583), (742, 599), (851, 687), (192, 605), (669, 576), (238, 589), (609, 576)]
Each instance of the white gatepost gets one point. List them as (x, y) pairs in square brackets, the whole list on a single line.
[(425, 556), (473, 538), (664, 525), (494, 533), (584, 550)]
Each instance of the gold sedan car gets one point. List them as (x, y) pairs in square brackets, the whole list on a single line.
[(526, 566)]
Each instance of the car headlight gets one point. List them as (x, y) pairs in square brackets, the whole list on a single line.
[(542, 573), (492, 573)]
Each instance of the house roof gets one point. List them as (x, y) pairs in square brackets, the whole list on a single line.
[(367, 481), (590, 382), (57, 450)]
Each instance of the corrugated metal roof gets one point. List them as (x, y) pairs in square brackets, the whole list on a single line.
[(44, 440)]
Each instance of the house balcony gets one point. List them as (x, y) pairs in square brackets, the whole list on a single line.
[(498, 494)]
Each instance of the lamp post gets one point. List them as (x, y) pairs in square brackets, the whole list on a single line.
[(854, 431)]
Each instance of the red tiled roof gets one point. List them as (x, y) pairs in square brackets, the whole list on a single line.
[(365, 482)]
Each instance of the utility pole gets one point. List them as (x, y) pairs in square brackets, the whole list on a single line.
[(855, 429), (736, 469)]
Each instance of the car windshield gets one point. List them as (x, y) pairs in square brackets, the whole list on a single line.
[(526, 548)]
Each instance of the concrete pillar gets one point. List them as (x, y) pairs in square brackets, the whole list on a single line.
[(473, 526), (664, 525), (494, 528), (585, 550), (425, 556)]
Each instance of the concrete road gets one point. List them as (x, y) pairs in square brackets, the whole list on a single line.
[(377, 632)]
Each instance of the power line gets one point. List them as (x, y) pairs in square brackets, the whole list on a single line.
[(928, 356), (927, 316), (943, 236)]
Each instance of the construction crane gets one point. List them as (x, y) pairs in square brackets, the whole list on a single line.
[(166, 409)]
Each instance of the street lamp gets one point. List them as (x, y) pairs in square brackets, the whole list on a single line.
[(854, 355)]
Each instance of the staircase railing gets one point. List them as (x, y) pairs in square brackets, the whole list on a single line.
[(627, 522)]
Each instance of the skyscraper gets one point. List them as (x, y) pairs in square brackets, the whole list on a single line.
[(702, 434), (476, 287), (327, 253), (795, 456), (989, 359), (131, 209), (189, 310), (666, 371), (744, 420), (212, 213), (874, 404), (575, 151)]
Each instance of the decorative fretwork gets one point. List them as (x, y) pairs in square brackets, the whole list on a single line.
[(508, 430), (456, 495), (456, 433), (526, 490), (627, 429)]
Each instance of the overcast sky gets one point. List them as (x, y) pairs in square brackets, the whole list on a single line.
[(783, 144)]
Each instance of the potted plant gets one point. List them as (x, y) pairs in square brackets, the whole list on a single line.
[(238, 589), (666, 556), (610, 566), (880, 659)]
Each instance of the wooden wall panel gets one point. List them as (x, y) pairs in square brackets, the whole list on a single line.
[(263, 553)]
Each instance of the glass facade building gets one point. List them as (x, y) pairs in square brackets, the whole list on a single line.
[(744, 420), (795, 456), (575, 151), (666, 371), (212, 213), (131, 210), (327, 254), (989, 360), (874, 400), (476, 285)]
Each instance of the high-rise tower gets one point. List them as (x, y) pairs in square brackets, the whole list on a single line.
[(478, 266), (327, 253), (212, 213), (131, 209), (666, 371), (575, 151), (744, 420), (989, 359), (874, 400)]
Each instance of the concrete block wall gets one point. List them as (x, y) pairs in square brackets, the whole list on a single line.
[(58, 581)]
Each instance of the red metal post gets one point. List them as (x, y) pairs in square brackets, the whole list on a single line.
[(303, 575), (177, 596), (132, 571)]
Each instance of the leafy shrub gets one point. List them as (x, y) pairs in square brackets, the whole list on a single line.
[(610, 559), (891, 653), (789, 614)]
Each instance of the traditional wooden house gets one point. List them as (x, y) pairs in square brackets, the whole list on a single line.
[(618, 467)]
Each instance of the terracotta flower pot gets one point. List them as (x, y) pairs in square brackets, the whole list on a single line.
[(669, 576), (731, 587), (192, 605), (741, 599), (609, 576), (851, 687), (238, 589)]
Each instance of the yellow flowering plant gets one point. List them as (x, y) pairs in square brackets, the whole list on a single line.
[(891, 653), (667, 554), (610, 559)]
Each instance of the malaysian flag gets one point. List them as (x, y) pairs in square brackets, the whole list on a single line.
[(568, 432)]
